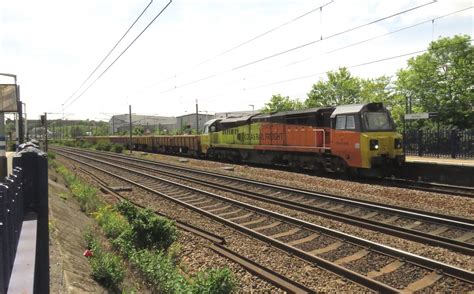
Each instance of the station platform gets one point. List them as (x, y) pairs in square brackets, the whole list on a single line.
[(441, 161)]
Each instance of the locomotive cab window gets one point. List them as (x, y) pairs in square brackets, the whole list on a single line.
[(377, 121), (340, 122), (350, 123), (345, 122)]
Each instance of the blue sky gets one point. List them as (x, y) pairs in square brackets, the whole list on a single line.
[(53, 45)]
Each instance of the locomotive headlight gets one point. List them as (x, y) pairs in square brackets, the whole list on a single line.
[(398, 143), (374, 144)]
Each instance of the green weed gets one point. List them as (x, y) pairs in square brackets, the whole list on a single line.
[(107, 268), (151, 231), (111, 222)]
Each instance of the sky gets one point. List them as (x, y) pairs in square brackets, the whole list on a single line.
[(215, 52)]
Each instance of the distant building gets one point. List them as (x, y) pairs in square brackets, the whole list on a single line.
[(189, 121), (150, 123)]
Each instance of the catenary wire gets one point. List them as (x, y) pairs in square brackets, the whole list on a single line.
[(351, 66), (333, 35), (120, 55), (299, 47), (242, 44), (110, 52)]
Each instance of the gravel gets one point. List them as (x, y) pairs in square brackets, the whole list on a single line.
[(313, 277), (427, 201), (385, 195)]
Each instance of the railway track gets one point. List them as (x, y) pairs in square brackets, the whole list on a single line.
[(462, 191), (373, 265), (436, 229), (218, 245)]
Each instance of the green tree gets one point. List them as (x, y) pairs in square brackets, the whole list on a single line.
[(381, 89), (76, 131), (340, 88), (441, 80), (138, 130), (282, 103)]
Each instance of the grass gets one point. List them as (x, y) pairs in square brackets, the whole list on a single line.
[(85, 194)]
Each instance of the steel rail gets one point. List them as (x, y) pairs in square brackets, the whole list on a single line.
[(406, 233), (409, 212), (448, 270), (339, 270), (182, 225), (263, 272), (462, 191)]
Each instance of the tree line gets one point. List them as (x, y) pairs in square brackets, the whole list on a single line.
[(439, 80)]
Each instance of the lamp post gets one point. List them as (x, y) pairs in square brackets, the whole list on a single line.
[(253, 106)]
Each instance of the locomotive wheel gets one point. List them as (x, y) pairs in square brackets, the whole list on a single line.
[(339, 165)]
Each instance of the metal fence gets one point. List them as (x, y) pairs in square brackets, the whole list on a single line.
[(448, 143), (11, 219), (24, 253)]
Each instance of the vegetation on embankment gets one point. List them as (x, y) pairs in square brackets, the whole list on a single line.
[(141, 239)]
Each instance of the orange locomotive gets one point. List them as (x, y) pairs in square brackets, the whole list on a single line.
[(358, 138)]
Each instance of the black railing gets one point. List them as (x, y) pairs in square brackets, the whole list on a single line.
[(11, 220), (443, 143), (24, 240)]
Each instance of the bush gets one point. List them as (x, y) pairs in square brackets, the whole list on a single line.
[(160, 271), (117, 148), (100, 146), (151, 231), (128, 210), (214, 281), (147, 230), (83, 144), (111, 222), (108, 146), (69, 143), (107, 268)]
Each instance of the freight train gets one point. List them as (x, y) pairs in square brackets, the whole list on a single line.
[(357, 139)]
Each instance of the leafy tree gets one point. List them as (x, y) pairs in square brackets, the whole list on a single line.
[(441, 80), (280, 103), (381, 89), (76, 131), (343, 88), (138, 131), (340, 88)]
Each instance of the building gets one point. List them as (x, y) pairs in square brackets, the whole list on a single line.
[(150, 123), (188, 121)]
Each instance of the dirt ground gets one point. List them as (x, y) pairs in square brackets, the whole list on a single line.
[(69, 269)]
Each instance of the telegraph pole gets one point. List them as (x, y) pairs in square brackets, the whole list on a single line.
[(130, 126)]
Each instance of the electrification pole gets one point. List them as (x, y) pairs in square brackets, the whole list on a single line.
[(130, 126), (45, 132), (197, 117)]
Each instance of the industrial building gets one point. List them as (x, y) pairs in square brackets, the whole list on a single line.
[(150, 123)]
